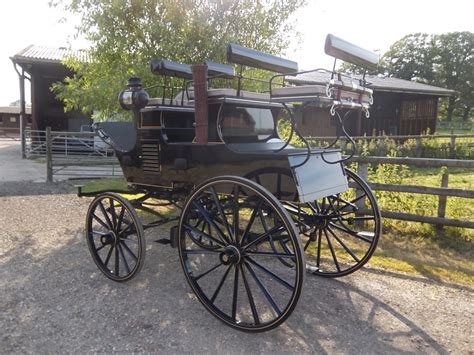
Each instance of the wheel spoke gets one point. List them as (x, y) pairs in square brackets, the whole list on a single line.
[(124, 259), (211, 222), (113, 212), (190, 229), (126, 229), (101, 247), (271, 273), (332, 251), (129, 250), (100, 234), (117, 262), (120, 218), (208, 271), (263, 289), (201, 251), (225, 222), (263, 236), (318, 252), (235, 293), (216, 292), (101, 222), (349, 251), (351, 232), (106, 215), (250, 297), (307, 244), (271, 254), (107, 259), (235, 218), (251, 220)]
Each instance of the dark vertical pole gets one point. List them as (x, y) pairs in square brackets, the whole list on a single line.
[(200, 102), (49, 155), (22, 113), (442, 200), (358, 130)]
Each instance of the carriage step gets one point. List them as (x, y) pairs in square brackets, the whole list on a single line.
[(163, 241), (173, 239)]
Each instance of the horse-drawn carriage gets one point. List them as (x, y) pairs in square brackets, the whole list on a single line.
[(256, 212)]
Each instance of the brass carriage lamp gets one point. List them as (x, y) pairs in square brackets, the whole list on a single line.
[(134, 96)]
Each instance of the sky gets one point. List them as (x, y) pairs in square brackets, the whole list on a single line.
[(371, 24)]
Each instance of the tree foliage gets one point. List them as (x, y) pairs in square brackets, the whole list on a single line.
[(126, 34), (445, 60)]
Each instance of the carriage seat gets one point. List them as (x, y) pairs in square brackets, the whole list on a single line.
[(318, 93), (122, 136), (214, 93)]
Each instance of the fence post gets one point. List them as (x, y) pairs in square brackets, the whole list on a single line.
[(442, 199), (343, 145), (362, 171), (419, 146), (49, 155), (452, 147)]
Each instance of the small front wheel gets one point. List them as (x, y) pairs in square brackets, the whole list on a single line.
[(115, 237), (232, 265)]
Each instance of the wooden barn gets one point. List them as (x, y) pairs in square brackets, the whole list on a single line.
[(10, 119), (42, 67), (401, 107)]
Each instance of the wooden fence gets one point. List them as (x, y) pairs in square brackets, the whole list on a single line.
[(443, 192), (447, 144)]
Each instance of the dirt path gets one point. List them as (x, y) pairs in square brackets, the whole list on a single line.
[(53, 299)]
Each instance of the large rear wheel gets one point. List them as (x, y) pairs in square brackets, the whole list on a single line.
[(230, 263)]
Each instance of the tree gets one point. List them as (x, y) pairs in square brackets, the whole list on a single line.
[(445, 60), (126, 34), (454, 68)]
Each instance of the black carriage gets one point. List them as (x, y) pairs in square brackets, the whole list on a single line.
[(255, 210)]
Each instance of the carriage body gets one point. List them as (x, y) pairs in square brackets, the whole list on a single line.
[(252, 205)]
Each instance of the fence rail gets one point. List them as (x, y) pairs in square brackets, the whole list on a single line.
[(442, 192), (72, 154), (452, 146)]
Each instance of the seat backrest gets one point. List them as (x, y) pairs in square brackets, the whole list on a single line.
[(221, 70), (170, 68), (253, 58), (348, 52)]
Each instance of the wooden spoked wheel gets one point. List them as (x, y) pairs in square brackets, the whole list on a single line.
[(230, 264), (115, 237), (339, 232)]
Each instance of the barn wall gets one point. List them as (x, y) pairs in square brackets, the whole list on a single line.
[(418, 115), (313, 121), (46, 109)]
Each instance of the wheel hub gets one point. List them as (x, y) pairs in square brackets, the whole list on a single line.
[(109, 238), (231, 255)]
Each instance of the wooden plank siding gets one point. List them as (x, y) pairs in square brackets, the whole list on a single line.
[(417, 116), (391, 114)]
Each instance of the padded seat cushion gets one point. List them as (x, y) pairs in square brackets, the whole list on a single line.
[(223, 92), (296, 91)]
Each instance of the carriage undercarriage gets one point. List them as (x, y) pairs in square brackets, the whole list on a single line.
[(248, 212)]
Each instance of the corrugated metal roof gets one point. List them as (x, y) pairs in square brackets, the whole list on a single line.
[(381, 84), (41, 54), (14, 110)]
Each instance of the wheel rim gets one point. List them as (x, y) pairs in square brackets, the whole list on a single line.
[(340, 232), (115, 237), (239, 279)]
